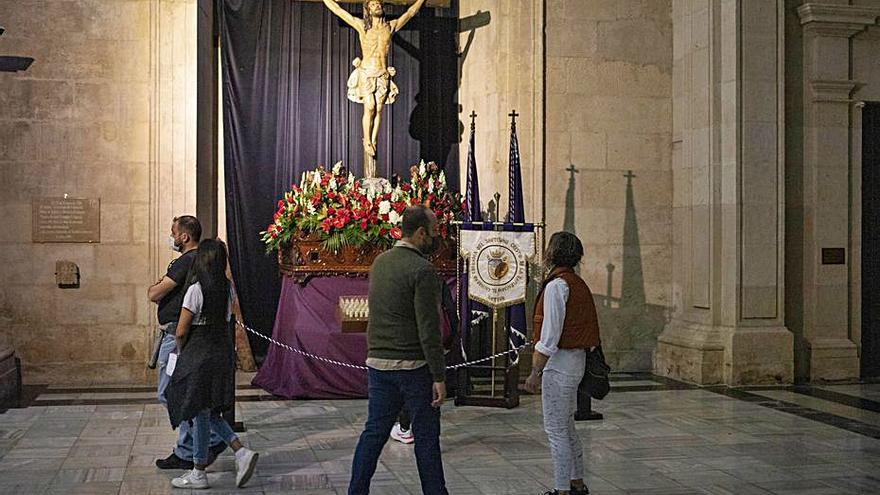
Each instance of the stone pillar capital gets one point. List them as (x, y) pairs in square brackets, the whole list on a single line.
[(836, 21), (838, 91)]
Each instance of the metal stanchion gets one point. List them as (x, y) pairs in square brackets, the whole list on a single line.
[(584, 410), (229, 414)]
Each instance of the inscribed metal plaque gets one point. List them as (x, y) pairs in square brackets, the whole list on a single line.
[(833, 256), (66, 220)]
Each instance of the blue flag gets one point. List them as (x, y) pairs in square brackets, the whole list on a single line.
[(472, 195), (472, 311), (516, 315)]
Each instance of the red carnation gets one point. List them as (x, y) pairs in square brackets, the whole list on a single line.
[(396, 233), (280, 203), (364, 224)]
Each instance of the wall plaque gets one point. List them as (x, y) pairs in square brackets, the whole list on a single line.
[(833, 256), (66, 220)]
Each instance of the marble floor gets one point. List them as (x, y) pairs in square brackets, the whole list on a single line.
[(657, 437)]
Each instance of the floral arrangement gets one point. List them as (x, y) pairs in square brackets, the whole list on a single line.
[(340, 210)]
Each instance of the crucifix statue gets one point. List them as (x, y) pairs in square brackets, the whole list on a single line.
[(370, 82)]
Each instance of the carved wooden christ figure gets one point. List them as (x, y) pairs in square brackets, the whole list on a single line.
[(370, 82)]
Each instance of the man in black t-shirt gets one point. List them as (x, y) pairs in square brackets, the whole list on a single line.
[(168, 292)]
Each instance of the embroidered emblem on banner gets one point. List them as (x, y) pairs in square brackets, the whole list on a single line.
[(497, 261)]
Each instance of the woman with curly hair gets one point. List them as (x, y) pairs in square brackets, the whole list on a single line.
[(566, 326)]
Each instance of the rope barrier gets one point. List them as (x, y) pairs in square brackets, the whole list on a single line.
[(355, 366)]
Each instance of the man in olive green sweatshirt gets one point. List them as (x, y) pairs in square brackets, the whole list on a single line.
[(405, 357)]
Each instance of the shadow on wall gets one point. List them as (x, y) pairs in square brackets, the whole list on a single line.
[(630, 326), (435, 121)]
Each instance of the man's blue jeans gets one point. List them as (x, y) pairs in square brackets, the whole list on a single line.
[(388, 392), (184, 447)]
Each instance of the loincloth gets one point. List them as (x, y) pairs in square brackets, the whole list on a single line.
[(371, 82)]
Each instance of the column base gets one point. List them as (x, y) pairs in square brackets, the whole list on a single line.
[(10, 377), (710, 355), (833, 359), (759, 356), (690, 352)]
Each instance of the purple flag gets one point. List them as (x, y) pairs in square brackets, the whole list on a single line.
[(472, 195), (516, 315), (472, 311)]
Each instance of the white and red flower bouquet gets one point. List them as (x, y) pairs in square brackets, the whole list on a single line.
[(339, 210)]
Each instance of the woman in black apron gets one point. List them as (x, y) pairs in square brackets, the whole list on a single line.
[(203, 382)]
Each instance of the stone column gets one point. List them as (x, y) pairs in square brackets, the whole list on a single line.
[(829, 350), (727, 323)]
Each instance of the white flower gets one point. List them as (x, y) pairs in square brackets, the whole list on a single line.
[(394, 217), (386, 186), (350, 178), (422, 170), (430, 186), (312, 209), (332, 184), (337, 168), (443, 178), (316, 178), (302, 180), (395, 194), (384, 207)]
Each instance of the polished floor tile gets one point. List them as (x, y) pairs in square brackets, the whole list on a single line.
[(656, 438)]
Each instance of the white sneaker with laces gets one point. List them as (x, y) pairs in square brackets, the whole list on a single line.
[(194, 479), (401, 435), (245, 462)]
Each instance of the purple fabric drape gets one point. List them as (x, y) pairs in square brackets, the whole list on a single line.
[(306, 320), (285, 65)]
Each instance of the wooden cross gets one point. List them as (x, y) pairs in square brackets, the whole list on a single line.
[(572, 170), (629, 176), (513, 115), (473, 118)]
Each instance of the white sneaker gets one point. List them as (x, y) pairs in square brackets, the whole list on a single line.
[(401, 435), (245, 462), (194, 479)]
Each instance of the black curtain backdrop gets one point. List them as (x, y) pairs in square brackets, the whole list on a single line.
[(285, 65)]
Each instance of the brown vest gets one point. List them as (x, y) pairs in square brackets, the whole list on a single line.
[(580, 329)]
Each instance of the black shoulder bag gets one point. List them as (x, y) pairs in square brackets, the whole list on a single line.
[(596, 374)]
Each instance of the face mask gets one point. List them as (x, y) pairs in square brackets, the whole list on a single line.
[(431, 245), (172, 244)]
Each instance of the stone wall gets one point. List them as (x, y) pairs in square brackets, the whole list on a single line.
[(607, 69), (106, 111), (501, 70), (609, 133)]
